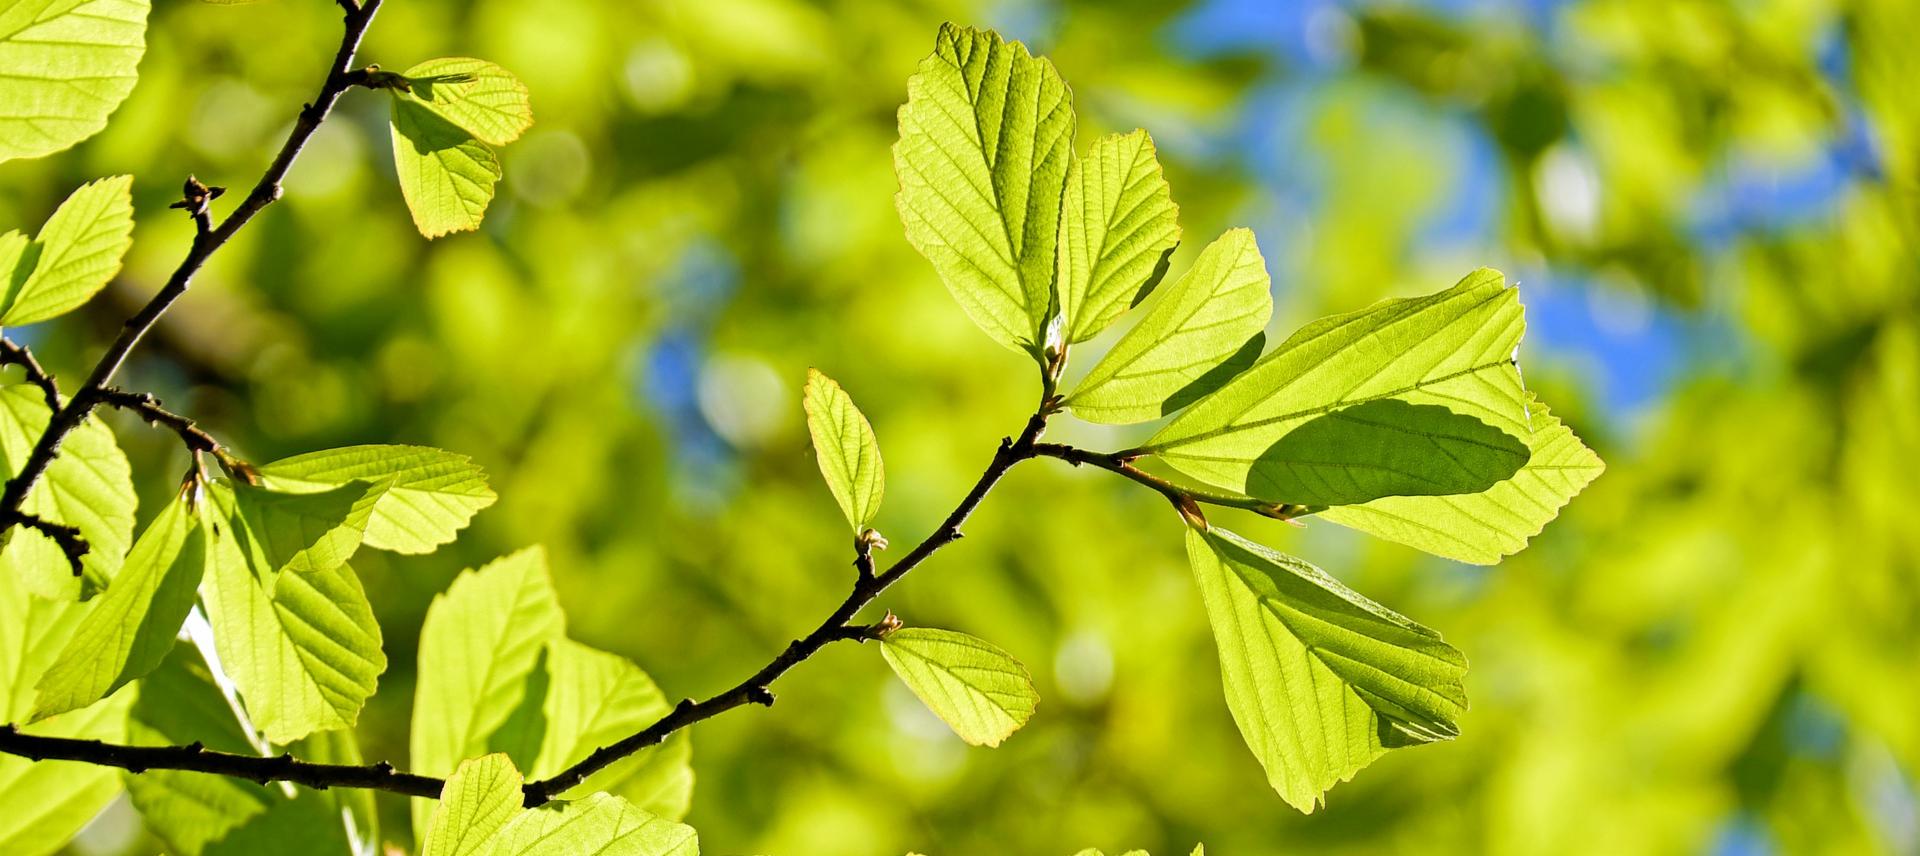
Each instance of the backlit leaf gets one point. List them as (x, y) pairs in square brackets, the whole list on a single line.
[(76, 254), (65, 65), (601, 824), (845, 447), (445, 174), (484, 99), (980, 691), (1118, 225), (480, 798), (88, 485), (434, 493)]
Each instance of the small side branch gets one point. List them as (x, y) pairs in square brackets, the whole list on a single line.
[(1184, 498), (196, 758), (148, 408), (12, 354), (72, 544)]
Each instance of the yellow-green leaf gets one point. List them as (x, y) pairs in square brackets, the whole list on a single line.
[(445, 174), (482, 98), (1118, 225), (848, 454), (479, 799), (76, 254), (980, 691), (65, 65)]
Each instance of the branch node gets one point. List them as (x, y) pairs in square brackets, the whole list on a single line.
[(760, 696)]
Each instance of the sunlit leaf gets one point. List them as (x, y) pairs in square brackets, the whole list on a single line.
[(484, 99), (1384, 447), (1453, 349), (301, 532), (985, 139), (848, 454), (1480, 528), (1118, 225), (434, 493), (601, 823), (89, 485), (180, 703), (305, 656), (480, 641), (1320, 679), (980, 691), (47, 802), (479, 799), (64, 66), (445, 174), (76, 254), (594, 698), (132, 627), (1195, 325)]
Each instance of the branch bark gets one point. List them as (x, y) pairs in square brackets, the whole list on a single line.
[(195, 758), (207, 240)]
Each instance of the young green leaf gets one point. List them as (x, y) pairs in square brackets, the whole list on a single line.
[(47, 802), (980, 691), (480, 641), (180, 703), (1200, 322), (89, 486), (844, 444), (484, 99), (1480, 528), (302, 532), (1452, 349), (594, 698), (601, 823), (132, 627), (445, 174), (985, 139), (1384, 447), (478, 800), (434, 495), (1320, 679), (65, 65), (305, 656), (76, 254), (1118, 226)]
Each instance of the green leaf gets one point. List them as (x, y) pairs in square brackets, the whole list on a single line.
[(180, 703), (1320, 679), (1481, 528), (594, 698), (445, 174), (1118, 226), (305, 656), (130, 629), (1452, 349), (480, 641), (88, 485), (844, 444), (980, 691), (352, 808), (1384, 447), (64, 66), (985, 139), (1211, 314), (76, 254), (301, 532), (478, 800), (602, 824), (484, 99), (48, 801), (434, 495)]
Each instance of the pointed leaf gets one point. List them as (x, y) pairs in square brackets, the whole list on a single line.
[(980, 691), (478, 800), (484, 99), (1194, 326), (1118, 225), (445, 174), (434, 495), (76, 254), (848, 454), (480, 641), (1384, 447), (305, 656), (132, 627), (1453, 349), (65, 65), (985, 139), (89, 485), (601, 824), (1320, 679), (1481, 528)]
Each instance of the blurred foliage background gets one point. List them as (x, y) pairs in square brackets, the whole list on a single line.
[(1712, 209)]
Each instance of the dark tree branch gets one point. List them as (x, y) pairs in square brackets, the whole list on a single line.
[(207, 240), (757, 689), (72, 544), (148, 408), (195, 758), (1184, 498), (22, 356)]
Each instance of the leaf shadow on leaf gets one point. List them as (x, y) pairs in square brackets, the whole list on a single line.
[(1153, 279), (1385, 447), (423, 86), (1215, 377), (427, 131)]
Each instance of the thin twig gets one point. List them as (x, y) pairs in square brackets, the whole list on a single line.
[(1183, 497), (148, 408), (199, 759), (72, 544), (22, 356), (207, 239)]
